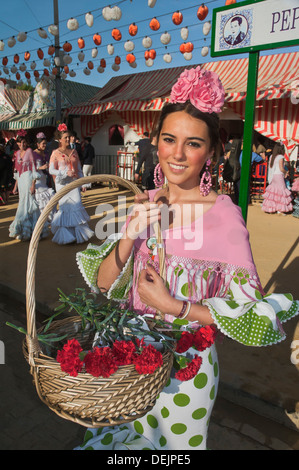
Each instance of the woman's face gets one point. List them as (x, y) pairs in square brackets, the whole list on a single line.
[(184, 147), (22, 145), (42, 145), (65, 140)]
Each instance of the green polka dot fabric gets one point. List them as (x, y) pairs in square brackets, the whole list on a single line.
[(179, 419)]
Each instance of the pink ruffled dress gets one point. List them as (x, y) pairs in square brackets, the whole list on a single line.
[(277, 197)]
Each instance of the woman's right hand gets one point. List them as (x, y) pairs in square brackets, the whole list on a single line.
[(144, 213)]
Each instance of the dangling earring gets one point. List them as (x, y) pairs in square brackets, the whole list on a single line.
[(206, 180), (158, 176)]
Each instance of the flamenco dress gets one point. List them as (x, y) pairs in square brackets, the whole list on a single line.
[(43, 193), (216, 269), (277, 197), (28, 210), (70, 222), (295, 188)]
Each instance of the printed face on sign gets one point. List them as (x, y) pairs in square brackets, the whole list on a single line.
[(235, 30)]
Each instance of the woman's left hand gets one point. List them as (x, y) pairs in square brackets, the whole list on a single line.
[(152, 290)]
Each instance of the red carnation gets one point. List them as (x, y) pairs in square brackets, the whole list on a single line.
[(69, 359), (148, 361), (100, 362), (204, 337), (190, 371), (123, 352), (185, 342)]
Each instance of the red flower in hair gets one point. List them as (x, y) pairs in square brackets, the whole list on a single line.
[(185, 342), (123, 352), (190, 371), (69, 359), (62, 127), (100, 362), (148, 361)]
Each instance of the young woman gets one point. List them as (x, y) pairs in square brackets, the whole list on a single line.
[(277, 197), (43, 193), (70, 223), (209, 268), (26, 175)]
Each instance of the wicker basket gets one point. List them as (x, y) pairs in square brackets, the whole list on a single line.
[(86, 400)]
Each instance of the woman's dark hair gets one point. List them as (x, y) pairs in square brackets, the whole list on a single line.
[(19, 138), (278, 149), (211, 120)]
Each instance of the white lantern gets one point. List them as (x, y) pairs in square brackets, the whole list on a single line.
[(165, 38), (72, 73), (129, 46), (89, 19), (94, 52), (149, 62), (11, 41), (151, 3), (86, 71), (147, 42), (67, 60), (23, 67), (33, 65), (42, 33), (22, 36), (115, 67), (57, 61), (133, 64), (113, 13), (2, 45), (46, 63), (100, 69), (72, 24), (188, 55), (13, 69), (110, 49), (81, 56), (167, 58), (6, 70), (184, 33), (206, 28), (53, 29), (204, 51)]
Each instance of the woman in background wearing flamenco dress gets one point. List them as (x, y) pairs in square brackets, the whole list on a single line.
[(70, 223), (26, 175), (211, 280), (277, 197), (43, 193)]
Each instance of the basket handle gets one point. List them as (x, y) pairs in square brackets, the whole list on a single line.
[(32, 341)]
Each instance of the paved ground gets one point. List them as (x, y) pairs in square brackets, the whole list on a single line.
[(257, 385)]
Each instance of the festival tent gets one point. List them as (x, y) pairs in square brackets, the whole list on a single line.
[(39, 110), (138, 98), (11, 101)]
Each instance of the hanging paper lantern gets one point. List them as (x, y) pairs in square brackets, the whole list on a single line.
[(6, 70), (40, 53), (113, 13), (184, 33), (72, 24), (97, 39), (154, 24), (4, 61), (27, 55), (33, 65), (89, 19), (149, 62), (66, 69), (36, 73), (186, 47), (51, 50), (53, 29), (81, 43), (16, 58), (204, 51), (147, 42), (110, 49), (117, 60), (151, 54), (81, 56), (130, 58), (67, 59), (133, 65), (103, 63), (2, 45), (46, 72), (116, 34), (67, 47), (100, 69), (72, 73), (27, 75), (115, 67), (18, 76), (129, 46), (151, 3), (42, 33), (23, 67), (90, 64), (13, 69), (94, 52), (46, 63), (54, 70), (206, 28), (188, 55), (167, 58), (133, 29), (165, 38), (202, 12), (21, 37), (57, 61), (177, 17), (230, 2), (11, 41)]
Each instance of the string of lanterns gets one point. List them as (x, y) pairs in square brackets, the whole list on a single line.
[(53, 63)]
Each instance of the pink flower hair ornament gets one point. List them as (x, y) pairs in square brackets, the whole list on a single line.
[(62, 127), (22, 133), (40, 135), (202, 88)]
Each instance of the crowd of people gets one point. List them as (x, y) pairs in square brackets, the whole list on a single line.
[(36, 171)]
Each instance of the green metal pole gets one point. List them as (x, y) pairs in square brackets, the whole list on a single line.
[(253, 66)]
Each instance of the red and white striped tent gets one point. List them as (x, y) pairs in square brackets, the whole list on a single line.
[(138, 97)]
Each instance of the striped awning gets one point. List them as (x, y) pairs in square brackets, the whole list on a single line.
[(28, 121), (149, 90)]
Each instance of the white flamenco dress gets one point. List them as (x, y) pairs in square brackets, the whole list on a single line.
[(70, 223)]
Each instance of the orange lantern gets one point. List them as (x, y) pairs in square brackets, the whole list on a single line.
[(46, 72), (27, 55), (90, 65), (54, 71), (202, 12), (4, 61), (133, 29), (188, 47), (16, 58), (130, 58), (154, 24), (66, 69), (36, 73), (103, 63), (151, 54), (18, 76), (67, 47), (116, 34), (230, 2), (177, 17), (40, 53), (81, 43), (97, 39), (117, 60), (51, 50), (27, 75)]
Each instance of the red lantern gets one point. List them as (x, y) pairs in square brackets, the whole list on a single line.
[(103, 63), (27, 75), (117, 60), (116, 34), (177, 17), (4, 61), (230, 2), (16, 59), (81, 43), (46, 72), (51, 50), (18, 76), (130, 58), (90, 65), (27, 55), (202, 12), (66, 69), (97, 39), (36, 73), (67, 47), (54, 71), (154, 24), (40, 53), (133, 29), (150, 54)]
